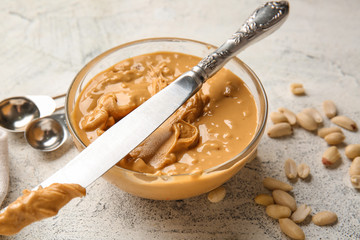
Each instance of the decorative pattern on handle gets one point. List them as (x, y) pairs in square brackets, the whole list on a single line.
[(210, 62), (264, 19)]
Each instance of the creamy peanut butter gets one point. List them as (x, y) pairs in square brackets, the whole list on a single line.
[(33, 206), (209, 129)]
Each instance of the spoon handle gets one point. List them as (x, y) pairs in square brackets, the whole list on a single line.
[(59, 96), (260, 24)]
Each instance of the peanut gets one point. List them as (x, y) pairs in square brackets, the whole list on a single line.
[(354, 172), (345, 122), (355, 181), (306, 121), (291, 117), (278, 211), (334, 138), (278, 117), (290, 169), (273, 184), (301, 213), (264, 199), (315, 114), (322, 132), (295, 85), (284, 199), (324, 218), (303, 171), (352, 151), (279, 130), (291, 229), (329, 108), (330, 156), (297, 89), (217, 194)]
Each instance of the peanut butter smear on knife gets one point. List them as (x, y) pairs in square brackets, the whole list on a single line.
[(36, 205)]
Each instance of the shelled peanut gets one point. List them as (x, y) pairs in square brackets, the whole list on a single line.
[(301, 213), (291, 229), (324, 218), (264, 199), (303, 170), (329, 108), (278, 117), (323, 132), (352, 151), (306, 121), (290, 169), (280, 130), (314, 114), (217, 195), (354, 172), (330, 156), (297, 89), (290, 116), (273, 184), (283, 120), (283, 198), (278, 211), (345, 122)]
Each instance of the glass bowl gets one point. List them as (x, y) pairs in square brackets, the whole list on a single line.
[(176, 186)]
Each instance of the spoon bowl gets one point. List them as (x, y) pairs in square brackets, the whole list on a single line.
[(47, 133), (17, 112)]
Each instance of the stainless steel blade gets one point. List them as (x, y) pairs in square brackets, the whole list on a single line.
[(126, 134)]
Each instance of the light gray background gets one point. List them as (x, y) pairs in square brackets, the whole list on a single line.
[(43, 44)]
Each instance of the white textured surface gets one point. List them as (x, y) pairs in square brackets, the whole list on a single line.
[(4, 165), (45, 43)]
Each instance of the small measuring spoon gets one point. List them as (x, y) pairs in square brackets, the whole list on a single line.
[(17, 112), (47, 133)]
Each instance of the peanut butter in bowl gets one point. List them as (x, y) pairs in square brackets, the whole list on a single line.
[(201, 146), (208, 131)]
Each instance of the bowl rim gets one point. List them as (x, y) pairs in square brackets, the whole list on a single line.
[(260, 88)]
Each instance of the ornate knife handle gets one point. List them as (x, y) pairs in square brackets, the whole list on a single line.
[(260, 24)]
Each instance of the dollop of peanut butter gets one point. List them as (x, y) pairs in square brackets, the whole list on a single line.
[(33, 206)]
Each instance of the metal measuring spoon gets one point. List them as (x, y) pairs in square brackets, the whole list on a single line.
[(47, 133), (17, 112)]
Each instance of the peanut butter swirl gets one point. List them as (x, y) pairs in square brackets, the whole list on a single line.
[(211, 127), (36, 205)]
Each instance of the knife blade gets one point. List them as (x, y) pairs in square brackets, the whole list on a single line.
[(115, 143)]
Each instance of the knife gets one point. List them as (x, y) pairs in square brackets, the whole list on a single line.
[(115, 143)]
